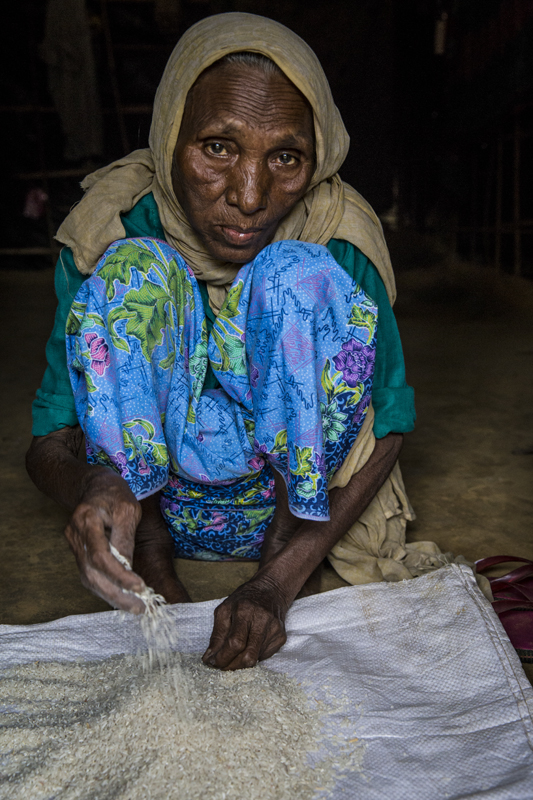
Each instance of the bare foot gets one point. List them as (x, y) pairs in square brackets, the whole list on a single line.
[(153, 555)]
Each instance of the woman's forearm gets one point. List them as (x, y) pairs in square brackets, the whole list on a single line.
[(290, 567), (53, 465)]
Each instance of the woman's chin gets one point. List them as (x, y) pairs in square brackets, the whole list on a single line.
[(235, 253)]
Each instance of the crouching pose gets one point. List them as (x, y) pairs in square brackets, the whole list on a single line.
[(225, 341)]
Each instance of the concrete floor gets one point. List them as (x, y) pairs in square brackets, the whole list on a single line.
[(468, 467)]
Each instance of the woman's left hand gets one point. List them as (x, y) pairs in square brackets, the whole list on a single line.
[(249, 626)]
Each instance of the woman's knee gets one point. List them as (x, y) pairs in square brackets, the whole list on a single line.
[(301, 269), (291, 256), (131, 261)]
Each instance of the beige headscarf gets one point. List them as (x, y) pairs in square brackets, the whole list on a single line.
[(330, 209)]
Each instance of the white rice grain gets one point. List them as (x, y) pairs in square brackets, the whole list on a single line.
[(163, 726), (106, 729)]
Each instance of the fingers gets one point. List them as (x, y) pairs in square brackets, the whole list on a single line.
[(100, 571), (220, 632), (109, 591), (244, 633)]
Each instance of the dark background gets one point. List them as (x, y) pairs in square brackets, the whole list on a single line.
[(440, 130)]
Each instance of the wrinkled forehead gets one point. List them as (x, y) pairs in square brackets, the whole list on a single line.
[(248, 89), (216, 37)]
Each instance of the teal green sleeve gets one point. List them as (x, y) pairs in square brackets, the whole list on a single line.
[(143, 219), (53, 407), (392, 398)]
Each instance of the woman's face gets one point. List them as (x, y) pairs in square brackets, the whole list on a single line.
[(244, 157)]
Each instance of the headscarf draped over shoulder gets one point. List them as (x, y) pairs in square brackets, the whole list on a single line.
[(330, 208)]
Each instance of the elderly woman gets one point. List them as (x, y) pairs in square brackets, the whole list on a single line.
[(220, 293)]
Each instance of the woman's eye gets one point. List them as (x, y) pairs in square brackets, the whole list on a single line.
[(216, 149), (286, 158)]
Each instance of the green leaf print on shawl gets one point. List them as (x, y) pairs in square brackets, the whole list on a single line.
[(79, 320), (230, 345), (334, 385), (198, 368), (75, 317), (143, 447), (230, 307), (363, 318), (140, 452), (147, 310), (129, 255), (305, 462), (232, 351)]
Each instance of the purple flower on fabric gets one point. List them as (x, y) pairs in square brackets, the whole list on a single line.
[(321, 464), (254, 375), (260, 448), (120, 461), (174, 482), (270, 491), (257, 463), (218, 522), (200, 438), (144, 469), (355, 361), (99, 353), (361, 410)]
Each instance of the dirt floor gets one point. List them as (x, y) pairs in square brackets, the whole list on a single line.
[(468, 467)]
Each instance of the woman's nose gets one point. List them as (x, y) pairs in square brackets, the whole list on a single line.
[(248, 187)]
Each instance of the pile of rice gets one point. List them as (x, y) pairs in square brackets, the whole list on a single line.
[(161, 726), (110, 729)]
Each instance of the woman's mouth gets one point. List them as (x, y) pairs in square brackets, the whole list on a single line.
[(235, 236)]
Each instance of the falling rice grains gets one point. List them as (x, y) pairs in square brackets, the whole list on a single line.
[(162, 726), (108, 729)]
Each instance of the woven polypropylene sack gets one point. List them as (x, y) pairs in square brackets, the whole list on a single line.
[(430, 693)]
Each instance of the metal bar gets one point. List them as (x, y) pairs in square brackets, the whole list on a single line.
[(50, 173), (499, 194), (516, 197), (39, 130), (30, 251), (473, 206), (523, 135), (142, 48), (143, 108), (487, 198), (506, 228), (113, 77)]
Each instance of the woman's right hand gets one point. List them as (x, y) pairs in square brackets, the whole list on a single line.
[(107, 513), (104, 512)]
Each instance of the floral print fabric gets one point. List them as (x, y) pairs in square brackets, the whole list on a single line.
[(293, 348)]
